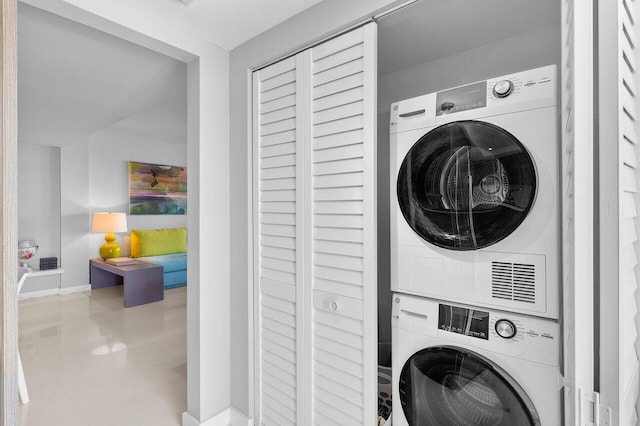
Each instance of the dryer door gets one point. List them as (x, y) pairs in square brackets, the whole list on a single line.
[(450, 386), (466, 185)]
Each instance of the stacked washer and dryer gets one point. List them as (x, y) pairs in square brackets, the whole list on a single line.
[(475, 254)]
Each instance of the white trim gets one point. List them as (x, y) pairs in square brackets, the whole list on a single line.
[(304, 197), (578, 203), (239, 419), (76, 289), (53, 292), (251, 328), (189, 420), (38, 293), (9, 214), (394, 9), (370, 243), (227, 417), (254, 290)]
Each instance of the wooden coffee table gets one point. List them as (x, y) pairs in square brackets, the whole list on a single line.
[(143, 282)]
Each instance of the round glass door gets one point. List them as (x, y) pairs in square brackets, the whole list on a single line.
[(466, 185), (447, 386)]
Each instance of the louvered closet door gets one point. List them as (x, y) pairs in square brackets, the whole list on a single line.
[(342, 240), (620, 200), (315, 282), (278, 277), (629, 374)]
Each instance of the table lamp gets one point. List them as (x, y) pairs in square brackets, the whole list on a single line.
[(109, 223)]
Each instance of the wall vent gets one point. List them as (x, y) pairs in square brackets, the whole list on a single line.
[(513, 281)]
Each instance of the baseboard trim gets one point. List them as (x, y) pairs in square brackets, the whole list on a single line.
[(228, 417), (53, 292), (239, 419), (189, 420), (77, 289), (39, 293), (220, 419)]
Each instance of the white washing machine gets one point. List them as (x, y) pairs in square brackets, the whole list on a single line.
[(455, 365), (475, 201)]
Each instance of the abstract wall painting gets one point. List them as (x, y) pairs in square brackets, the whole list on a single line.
[(157, 189)]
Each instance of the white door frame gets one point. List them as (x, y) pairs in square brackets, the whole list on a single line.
[(576, 108), (9, 213), (208, 379)]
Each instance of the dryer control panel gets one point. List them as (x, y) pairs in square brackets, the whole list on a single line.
[(508, 93)]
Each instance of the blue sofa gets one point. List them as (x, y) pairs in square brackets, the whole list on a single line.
[(164, 247), (174, 268)]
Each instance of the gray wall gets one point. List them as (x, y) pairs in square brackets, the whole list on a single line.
[(321, 20), (39, 207), (76, 219), (528, 50)]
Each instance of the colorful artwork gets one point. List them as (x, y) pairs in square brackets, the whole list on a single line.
[(157, 189)]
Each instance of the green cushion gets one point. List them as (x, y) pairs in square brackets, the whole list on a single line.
[(156, 242)]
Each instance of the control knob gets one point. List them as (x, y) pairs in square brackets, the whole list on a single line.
[(505, 329), (503, 88)]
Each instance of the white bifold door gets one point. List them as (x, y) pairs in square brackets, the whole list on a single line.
[(314, 229), (619, 221)]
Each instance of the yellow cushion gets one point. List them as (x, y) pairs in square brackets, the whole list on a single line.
[(156, 242)]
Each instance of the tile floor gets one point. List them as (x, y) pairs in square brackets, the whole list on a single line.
[(89, 361)]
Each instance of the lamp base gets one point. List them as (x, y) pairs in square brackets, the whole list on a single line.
[(110, 249)]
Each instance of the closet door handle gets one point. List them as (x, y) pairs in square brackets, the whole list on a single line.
[(333, 306)]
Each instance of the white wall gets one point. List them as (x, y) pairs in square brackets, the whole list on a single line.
[(109, 154), (319, 21), (39, 207), (74, 208), (528, 50)]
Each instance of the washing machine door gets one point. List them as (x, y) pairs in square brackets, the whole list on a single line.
[(450, 386), (466, 185)]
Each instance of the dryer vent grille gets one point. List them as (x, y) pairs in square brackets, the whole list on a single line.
[(513, 281)]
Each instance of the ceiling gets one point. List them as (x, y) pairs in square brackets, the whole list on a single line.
[(74, 81), (433, 29), (225, 23)]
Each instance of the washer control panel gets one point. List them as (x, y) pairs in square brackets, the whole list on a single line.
[(506, 329), (465, 321), (507, 333)]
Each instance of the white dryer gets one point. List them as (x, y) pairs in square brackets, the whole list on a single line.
[(455, 365), (475, 201)]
